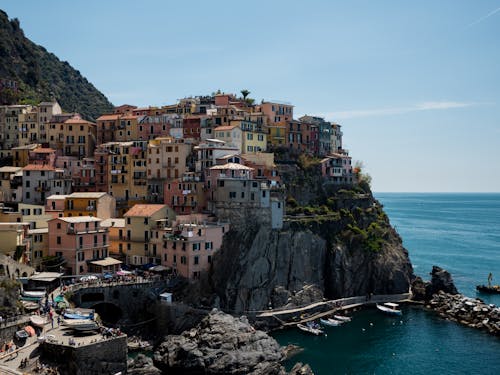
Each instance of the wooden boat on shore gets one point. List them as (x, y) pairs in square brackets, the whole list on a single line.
[(491, 289), (342, 318), (390, 308), (80, 324), (34, 293), (311, 330), (331, 322), (38, 320), (22, 334)]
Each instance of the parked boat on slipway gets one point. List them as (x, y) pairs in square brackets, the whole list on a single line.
[(311, 328), (390, 308)]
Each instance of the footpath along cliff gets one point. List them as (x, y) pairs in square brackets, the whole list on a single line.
[(335, 242)]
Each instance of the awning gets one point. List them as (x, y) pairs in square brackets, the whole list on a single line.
[(106, 262), (158, 268)]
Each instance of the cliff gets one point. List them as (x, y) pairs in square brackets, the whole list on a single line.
[(40, 76), (334, 243)]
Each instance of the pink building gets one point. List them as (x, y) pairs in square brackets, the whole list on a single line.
[(338, 169), (55, 205), (185, 195), (80, 241), (188, 247)]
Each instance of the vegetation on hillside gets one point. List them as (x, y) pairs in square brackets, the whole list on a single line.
[(41, 76)]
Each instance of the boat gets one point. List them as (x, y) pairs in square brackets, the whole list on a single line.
[(22, 335), (331, 322), (30, 305), (342, 318), (139, 345), (491, 289), (309, 329), (34, 293), (389, 308), (38, 320), (80, 324), (79, 314)]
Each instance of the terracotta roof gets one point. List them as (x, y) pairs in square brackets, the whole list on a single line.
[(38, 167), (144, 210), (44, 150), (106, 262), (230, 127), (109, 117), (78, 121)]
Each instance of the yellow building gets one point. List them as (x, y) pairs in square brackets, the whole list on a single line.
[(39, 246), (117, 238), (9, 124), (15, 241), (28, 127), (276, 134), (140, 221), (166, 161), (95, 204), (34, 214), (21, 154), (254, 139)]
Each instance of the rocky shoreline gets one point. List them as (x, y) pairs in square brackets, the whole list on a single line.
[(471, 312), (441, 296)]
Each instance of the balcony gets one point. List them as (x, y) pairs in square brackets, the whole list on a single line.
[(42, 188)]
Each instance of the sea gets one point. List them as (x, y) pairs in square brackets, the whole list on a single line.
[(458, 232)]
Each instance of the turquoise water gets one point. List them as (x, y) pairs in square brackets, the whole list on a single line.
[(459, 232)]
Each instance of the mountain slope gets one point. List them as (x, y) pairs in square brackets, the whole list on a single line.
[(41, 76)]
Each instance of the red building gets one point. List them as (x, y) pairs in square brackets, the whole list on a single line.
[(191, 126)]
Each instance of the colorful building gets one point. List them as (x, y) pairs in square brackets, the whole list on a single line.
[(79, 240), (95, 204)]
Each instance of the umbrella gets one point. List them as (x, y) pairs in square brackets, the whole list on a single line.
[(158, 268), (30, 330), (108, 276), (59, 298), (123, 273)]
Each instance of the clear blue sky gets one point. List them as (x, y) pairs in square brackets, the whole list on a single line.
[(415, 84)]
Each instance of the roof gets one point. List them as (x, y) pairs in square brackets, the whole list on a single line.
[(233, 166), (57, 196), (226, 127), (39, 230), (44, 150), (113, 222), (10, 169), (78, 121), (45, 276), (109, 117), (144, 210), (78, 219), (38, 167), (106, 262), (27, 147), (87, 195)]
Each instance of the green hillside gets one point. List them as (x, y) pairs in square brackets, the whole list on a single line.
[(41, 76)]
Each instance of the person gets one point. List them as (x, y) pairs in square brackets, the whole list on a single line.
[(490, 277)]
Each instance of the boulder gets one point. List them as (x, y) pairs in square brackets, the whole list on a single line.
[(441, 281), (142, 365), (220, 344)]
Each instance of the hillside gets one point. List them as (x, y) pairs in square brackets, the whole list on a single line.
[(41, 76)]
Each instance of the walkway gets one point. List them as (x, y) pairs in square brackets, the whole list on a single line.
[(309, 312)]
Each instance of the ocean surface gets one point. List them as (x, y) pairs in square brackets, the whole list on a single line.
[(458, 232)]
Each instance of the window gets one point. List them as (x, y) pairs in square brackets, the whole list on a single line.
[(208, 245), (232, 194), (196, 260), (183, 260), (58, 225), (209, 259), (196, 246), (58, 240)]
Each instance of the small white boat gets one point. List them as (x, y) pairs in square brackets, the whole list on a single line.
[(30, 305), (331, 322), (342, 318), (34, 293), (389, 308), (311, 330), (38, 320)]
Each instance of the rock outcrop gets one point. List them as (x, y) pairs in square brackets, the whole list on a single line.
[(142, 365), (441, 281), (467, 311), (222, 344)]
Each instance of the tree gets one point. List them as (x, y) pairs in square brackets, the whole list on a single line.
[(245, 93)]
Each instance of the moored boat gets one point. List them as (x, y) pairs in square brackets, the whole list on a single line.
[(330, 322), (22, 335), (28, 305), (492, 289), (389, 308), (33, 293), (38, 320), (79, 314), (311, 330), (80, 324), (342, 318)]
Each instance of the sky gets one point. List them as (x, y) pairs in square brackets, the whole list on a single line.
[(414, 84)]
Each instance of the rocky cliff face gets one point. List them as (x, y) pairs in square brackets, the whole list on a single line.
[(349, 250)]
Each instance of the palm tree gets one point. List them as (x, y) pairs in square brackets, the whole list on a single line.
[(245, 93)]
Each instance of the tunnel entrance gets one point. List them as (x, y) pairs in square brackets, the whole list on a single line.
[(109, 313)]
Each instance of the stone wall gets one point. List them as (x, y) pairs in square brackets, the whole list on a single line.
[(12, 269), (104, 357)]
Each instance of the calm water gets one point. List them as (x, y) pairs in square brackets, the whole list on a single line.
[(458, 232)]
